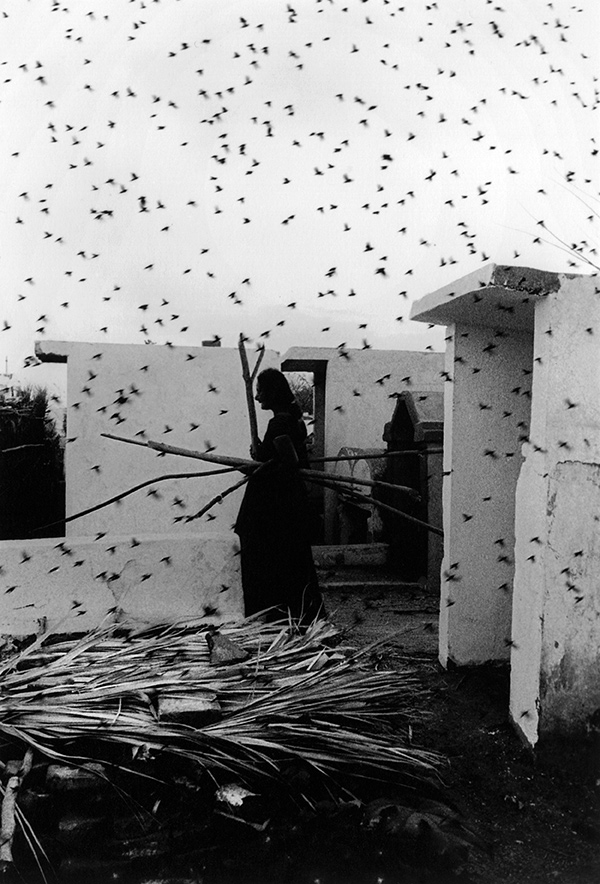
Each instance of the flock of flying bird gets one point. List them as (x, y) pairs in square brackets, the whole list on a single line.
[(177, 170)]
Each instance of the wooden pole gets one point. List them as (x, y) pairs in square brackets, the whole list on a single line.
[(248, 381), (259, 359), (239, 463)]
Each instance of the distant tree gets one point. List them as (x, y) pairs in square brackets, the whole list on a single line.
[(32, 490), (302, 385)]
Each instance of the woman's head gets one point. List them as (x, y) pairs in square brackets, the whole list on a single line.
[(273, 391)]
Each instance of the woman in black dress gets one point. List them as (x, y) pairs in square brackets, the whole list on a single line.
[(273, 523)]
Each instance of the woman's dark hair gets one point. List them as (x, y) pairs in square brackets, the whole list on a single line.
[(274, 385)]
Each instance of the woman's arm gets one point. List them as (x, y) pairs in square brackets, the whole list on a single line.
[(280, 425)]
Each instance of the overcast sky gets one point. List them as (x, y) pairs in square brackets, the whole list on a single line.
[(301, 172)]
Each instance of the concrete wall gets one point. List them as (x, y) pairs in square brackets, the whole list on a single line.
[(72, 586), (555, 660), (139, 557), (547, 329), (487, 408), (357, 406), (435, 516)]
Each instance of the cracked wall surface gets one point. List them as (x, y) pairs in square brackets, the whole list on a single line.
[(73, 585), (555, 658), (570, 666), (488, 402)]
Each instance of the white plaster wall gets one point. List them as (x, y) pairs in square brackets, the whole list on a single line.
[(356, 406), (487, 409), (527, 605), (72, 586), (132, 559), (570, 659), (361, 421), (435, 516), (188, 397), (447, 599), (555, 670)]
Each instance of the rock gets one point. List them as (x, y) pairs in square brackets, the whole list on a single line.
[(233, 794), (223, 650), (196, 710), (11, 768)]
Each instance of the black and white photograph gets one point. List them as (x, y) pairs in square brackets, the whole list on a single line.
[(299, 442)]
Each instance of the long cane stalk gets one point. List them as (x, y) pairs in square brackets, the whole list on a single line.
[(355, 495), (123, 494), (218, 499), (238, 463), (367, 483), (425, 452)]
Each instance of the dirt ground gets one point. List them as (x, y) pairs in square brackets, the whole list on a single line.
[(542, 812), (539, 814)]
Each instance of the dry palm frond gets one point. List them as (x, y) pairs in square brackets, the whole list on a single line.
[(295, 697)]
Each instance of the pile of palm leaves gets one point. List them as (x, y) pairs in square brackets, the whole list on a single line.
[(297, 696)]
